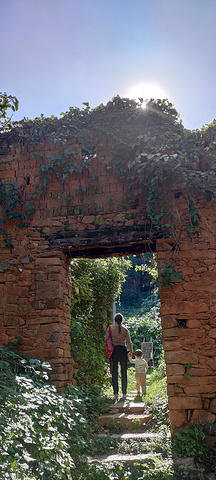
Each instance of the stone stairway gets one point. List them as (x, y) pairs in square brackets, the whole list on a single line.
[(135, 451), (133, 418), (126, 412)]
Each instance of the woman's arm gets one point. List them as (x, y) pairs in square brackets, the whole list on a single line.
[(131, 360), (128, 340)]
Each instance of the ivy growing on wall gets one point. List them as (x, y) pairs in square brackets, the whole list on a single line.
[(149, 146), (96, 284)]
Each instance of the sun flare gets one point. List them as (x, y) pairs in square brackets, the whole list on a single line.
[(146, 91)]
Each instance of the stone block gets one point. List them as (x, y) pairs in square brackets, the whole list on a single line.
[(194, 324), (178, 418), (53, 303), (183, 307), (12, 299), (5, 265), (4, 339), (168, 321), (45, 353), (175, 369), (38, 305), (206, 404), (202, 416), (11, 321), (182, 296), (48, 328), (55, 276), (40, 277), (173, 389), (171, 332), (212, 333), (200, 389), (211, 363), (182, 357), (48, 290), (172, 345), (12, 308), (48, 261), (16, 290), (196, 380), (24, 308), (186, 402), (213, 405)]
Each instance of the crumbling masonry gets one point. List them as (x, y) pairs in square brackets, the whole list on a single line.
[(95, 215)]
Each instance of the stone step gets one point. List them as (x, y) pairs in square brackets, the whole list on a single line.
[(132, 407), (129, 420), (140, 458), (131, 436)]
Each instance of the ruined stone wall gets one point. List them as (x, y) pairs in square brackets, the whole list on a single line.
[(91, 212), (188, 315), (84, 210)]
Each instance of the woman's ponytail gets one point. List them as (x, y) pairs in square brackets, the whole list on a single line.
[(118, 319)]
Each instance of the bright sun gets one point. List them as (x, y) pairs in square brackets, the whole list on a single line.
[(146, 91)]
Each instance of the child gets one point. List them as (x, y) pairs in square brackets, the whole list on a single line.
[(141, 367)]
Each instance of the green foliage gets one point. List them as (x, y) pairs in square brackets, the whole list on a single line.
[(192, 442), (187, 367), (144, 322), (95, 285), (150, 266), (155, 469), (13, 208), (35, 436), (190, 472), (140, 280), (159, 373), (7, 102), (89, 401), (168, 274), (12, 364), (149, 146), (43, 434), (156, 395)]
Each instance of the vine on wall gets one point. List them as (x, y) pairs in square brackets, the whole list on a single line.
[(150, 148)]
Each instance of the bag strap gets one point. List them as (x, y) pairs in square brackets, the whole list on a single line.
[(110, 331)]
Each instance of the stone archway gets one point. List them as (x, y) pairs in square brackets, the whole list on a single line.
[(93, 211)]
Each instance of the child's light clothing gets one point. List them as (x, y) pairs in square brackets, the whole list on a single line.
[(141, 367)]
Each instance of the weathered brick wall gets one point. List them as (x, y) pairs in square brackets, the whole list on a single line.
[(92, 213), (188, 313), (87, 214)]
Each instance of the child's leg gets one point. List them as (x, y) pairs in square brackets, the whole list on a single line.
[(143, 382), (138, 383)]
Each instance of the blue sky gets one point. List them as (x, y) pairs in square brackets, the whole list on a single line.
[(59, 53)]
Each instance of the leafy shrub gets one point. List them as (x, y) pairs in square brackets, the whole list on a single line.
[(156, 396), (43, 433), (13, 363), (141, 279), (34, 432), (191, 442), (89, 401), (95, 285), (144, 322), (160, 372)]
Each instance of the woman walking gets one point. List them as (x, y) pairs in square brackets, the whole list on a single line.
[(120, 335)]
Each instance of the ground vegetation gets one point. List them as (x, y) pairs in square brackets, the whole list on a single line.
[(45, 435)]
